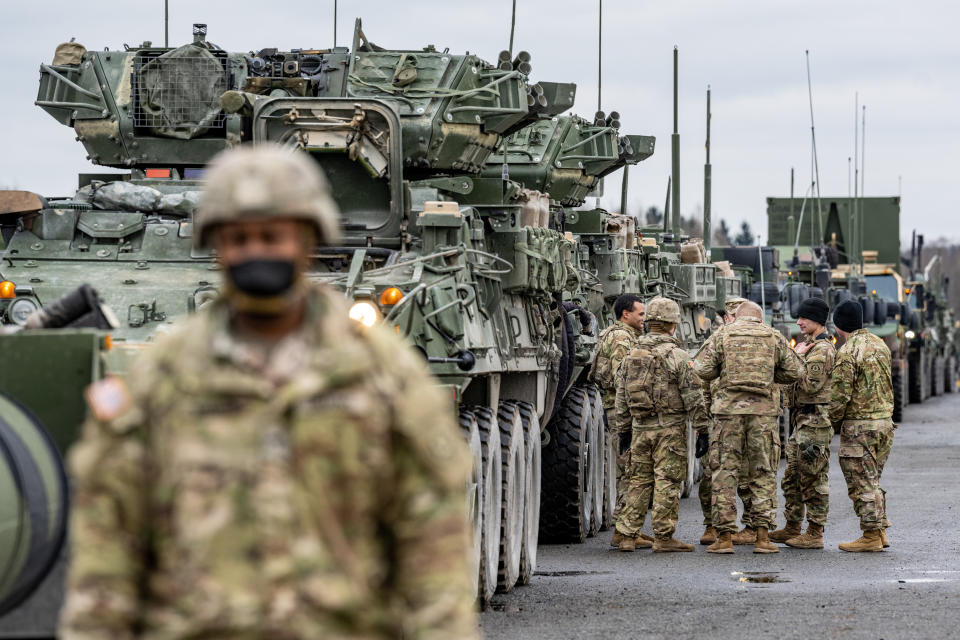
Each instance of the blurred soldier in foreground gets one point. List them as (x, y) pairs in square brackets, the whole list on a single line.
[(861, 402), (656, 393), (749, 359), (613, 345), (806, 488), (272, 470)]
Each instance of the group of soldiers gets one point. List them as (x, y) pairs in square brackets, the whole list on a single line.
[(732, 391)]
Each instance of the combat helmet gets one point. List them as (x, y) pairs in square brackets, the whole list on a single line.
[(266, 181), (662, 309)]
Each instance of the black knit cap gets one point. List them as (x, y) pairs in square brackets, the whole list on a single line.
[(814, 309), (848, 316)]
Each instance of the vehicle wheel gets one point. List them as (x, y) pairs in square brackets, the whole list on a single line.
[(492, 503), (514, 487), (917, 374), (950, 368), (562, 506), (531, 504), (597, 456), (610, 480), (899, 398), (471, 433), (690, 479)]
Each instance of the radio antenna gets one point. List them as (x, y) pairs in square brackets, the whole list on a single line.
[(863, 159), (815, 178), (334, 23), (513, 24), (599, 52), (166, 24)]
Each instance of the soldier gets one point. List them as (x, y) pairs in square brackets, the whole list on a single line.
[(656, 393), (861, 403), (703, 438), (749, 359), (805, 483), (273, 469), (613, 345)]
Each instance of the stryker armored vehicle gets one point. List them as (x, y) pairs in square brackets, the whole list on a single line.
[(457, 181)]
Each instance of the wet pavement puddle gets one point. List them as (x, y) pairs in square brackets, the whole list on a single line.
[(757, 577)]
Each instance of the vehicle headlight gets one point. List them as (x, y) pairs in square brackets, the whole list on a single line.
[(910, 335), (20, 309), (364, 312)]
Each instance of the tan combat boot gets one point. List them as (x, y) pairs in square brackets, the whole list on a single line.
[(763, 544), (666, 545), (643, 541), (812, 539), (616, 538), (747, 535), (870, 541), (724, 544), (627, 544), (792, 530), (883, 538), (709, 535)]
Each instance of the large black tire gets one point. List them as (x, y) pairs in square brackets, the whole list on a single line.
[(471, 433), (917, 375), (492, 503), (596, 457), (899, 389), (514, 487), (563, 498), (950, 374), (531, 510)]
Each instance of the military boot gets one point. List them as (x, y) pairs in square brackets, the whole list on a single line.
[(747, 535), (812, 539), (870, 541), (666, 545), (763, 544), (709, 535), (792, 530), (616, 538), (883, 538), (643, 541), (724, 544), (627, 544)]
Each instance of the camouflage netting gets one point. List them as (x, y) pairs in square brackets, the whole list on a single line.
[(179, 92)]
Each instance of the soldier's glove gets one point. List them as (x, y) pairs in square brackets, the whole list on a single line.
[(626, 437), (811, 451), (703, 443)]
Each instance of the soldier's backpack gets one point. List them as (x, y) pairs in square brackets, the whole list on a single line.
[(647, 379), (750, 357)]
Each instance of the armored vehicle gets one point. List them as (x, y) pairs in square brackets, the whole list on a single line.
[(457, 181)]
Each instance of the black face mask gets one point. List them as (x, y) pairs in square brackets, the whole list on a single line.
[(262, 278)]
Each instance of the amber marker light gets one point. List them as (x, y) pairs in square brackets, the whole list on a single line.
[(107, 342), (8, 290), (390, 297)]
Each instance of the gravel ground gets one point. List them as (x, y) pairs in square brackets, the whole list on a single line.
[(912, 590)]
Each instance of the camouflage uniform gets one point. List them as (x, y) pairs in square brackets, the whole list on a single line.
[(613, 345), (658, 454), (861, 401), (705, 489), (748, 358), (805, 483), (303, 489)]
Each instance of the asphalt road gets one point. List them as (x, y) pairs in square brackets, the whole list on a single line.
[(911, 590)]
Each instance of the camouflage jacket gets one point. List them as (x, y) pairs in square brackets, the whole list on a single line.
[(614, 344), (810, 395), (765, 354), (678, 392), (220, 499), (862, 388)]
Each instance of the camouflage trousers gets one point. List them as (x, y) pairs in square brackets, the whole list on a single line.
[(805, 483), (864, 448), (658, 465), (747, 445), (705, 492), (623, 462)]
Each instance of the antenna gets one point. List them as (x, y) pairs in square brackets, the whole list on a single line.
[(334, 23), (666, 209), (166, 24), (513, 24), (675, 142), (815, 178), (707, 179), (863, 161), (856, 179), (599, 50), (623, 190)]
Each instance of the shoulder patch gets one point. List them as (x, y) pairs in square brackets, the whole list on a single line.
[(108, 398)]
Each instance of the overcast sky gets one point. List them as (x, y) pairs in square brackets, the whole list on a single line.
[(903, 58)]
